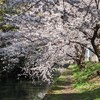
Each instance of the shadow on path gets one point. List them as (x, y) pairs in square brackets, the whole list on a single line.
[(89, 95)]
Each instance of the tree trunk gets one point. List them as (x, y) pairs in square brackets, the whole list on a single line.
[(93, 41), (99, 59)]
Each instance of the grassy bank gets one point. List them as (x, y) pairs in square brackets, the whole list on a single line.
[(86, 79), (85, 84)]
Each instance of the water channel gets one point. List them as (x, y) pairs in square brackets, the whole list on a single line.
[(23, 90)]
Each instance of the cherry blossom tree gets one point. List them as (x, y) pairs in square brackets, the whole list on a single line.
[(34, 41), (45, 32), (82, 21)]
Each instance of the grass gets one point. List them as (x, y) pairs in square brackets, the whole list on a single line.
[(84, 78), (87, 82)]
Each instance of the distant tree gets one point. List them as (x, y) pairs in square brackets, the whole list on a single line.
[(78, 55)]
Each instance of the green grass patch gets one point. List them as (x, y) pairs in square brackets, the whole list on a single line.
[(8, 27), (82, 77)]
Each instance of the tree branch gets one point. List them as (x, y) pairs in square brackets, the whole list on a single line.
[(82, 45)]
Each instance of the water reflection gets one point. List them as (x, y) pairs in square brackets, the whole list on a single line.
[(21, 91)]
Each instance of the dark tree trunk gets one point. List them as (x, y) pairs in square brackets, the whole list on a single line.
[(96, 51), (99, 59)]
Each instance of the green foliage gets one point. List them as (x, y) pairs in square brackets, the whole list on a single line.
[(8, 27), (4, 10), (8, 11), (1, 19)]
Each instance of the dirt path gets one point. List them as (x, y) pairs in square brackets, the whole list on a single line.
[(68, 87), (65, 93)]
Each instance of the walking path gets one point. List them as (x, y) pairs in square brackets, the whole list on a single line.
[(65, 91)]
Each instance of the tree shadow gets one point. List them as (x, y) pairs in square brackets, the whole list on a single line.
[(60, 83), (57, 88), (87, 95)]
